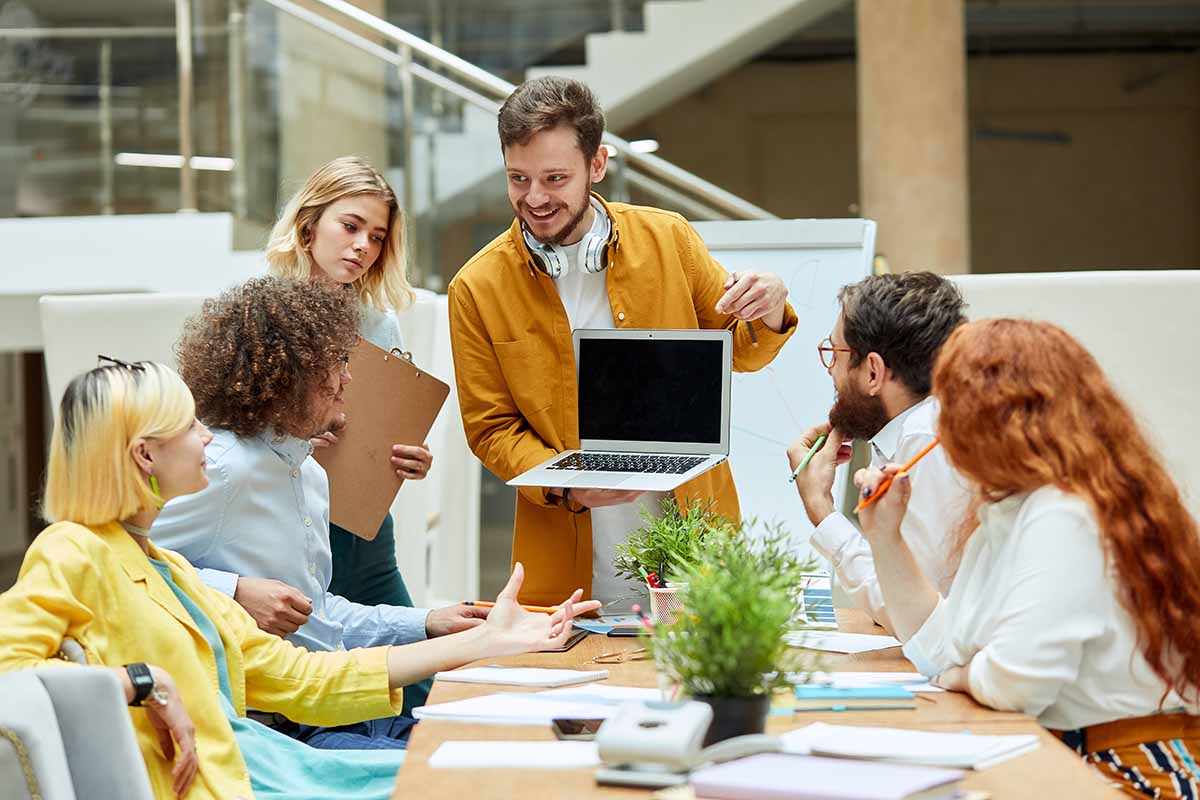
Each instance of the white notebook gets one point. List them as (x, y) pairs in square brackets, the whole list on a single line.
[(838, 642), (598, 701), (775, 776), (522, 676), (525, 755), (901, 746)]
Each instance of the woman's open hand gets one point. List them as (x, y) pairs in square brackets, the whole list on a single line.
[(514, 630)]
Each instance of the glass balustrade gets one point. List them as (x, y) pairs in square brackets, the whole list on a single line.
[(113, 117)]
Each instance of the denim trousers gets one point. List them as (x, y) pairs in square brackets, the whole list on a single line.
[(366, 572)]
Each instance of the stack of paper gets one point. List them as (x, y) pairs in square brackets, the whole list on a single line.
[(773, 776), (838, 642), (963, 750), (817, 602), (913, 681), (526, 755), (538, 708), (522, 676)]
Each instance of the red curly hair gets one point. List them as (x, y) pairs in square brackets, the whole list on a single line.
[(1024, 405)]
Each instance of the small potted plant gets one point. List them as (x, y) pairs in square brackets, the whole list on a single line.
[(663, 546), (727, 648)]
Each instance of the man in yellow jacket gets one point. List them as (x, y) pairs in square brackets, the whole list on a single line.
[(572, 260)]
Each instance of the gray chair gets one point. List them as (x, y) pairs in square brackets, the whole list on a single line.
[(65, 735)]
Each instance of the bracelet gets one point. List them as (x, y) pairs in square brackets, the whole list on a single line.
[(567, 505)]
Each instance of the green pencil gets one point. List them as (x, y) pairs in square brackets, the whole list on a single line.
[(812, 451)]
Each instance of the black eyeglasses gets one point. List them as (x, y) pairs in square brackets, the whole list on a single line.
[(136, 366)]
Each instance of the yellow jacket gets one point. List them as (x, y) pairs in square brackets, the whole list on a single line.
[(97, 586), (514, 363)]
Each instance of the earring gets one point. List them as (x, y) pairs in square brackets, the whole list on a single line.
[(154, 489)]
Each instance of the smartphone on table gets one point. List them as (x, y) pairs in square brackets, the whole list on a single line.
[(576, 729)]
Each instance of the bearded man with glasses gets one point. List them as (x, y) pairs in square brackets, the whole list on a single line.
[(880, 356)]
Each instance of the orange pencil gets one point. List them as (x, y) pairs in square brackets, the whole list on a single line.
[(486, 604), (883, 487)]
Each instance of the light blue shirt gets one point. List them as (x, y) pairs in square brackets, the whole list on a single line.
[(265, 514), (380, 328)]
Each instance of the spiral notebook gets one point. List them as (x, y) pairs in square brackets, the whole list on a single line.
[(388, 401)]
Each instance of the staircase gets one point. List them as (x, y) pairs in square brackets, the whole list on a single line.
[(685, 44)]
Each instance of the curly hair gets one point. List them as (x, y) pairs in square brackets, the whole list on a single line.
[(904, 318), (1024, 405), (252, 356)]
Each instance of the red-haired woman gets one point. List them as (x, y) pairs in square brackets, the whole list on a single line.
[(1077, 599)]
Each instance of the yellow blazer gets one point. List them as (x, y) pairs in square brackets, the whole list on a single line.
[(514, 363), (97, 586)]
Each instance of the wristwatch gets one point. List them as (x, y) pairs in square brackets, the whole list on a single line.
[(143, 685)]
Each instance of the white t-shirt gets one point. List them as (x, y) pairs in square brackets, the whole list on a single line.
[(584, 297)]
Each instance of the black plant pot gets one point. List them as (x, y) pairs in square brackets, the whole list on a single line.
[(735, 716)]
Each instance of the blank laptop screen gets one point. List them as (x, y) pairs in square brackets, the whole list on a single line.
[(650, 390)]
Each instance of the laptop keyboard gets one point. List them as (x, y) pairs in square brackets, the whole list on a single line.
[(628, 462)]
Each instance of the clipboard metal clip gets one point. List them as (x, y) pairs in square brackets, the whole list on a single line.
[(405, 354)]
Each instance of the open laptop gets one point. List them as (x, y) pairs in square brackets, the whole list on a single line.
[(653, 410)]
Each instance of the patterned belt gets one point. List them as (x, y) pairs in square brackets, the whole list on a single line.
[(1133, 731)]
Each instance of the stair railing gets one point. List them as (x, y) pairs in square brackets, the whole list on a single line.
[(485, 90)]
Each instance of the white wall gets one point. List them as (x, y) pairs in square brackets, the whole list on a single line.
[(122, 253), (1141, 327)]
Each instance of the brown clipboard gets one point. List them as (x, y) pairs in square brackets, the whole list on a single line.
[(389, 400)]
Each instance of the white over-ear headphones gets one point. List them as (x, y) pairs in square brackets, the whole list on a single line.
[(593, 247)]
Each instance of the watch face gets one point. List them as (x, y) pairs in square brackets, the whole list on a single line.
[(142, 680)]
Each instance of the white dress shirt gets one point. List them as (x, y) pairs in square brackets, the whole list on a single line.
[(584, 296), (1033, 612), (936, 509), (265, 514)]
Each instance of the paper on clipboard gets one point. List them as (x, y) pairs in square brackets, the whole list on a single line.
[(388, 401)]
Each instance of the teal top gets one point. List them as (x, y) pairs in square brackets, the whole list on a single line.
[(281, 767)]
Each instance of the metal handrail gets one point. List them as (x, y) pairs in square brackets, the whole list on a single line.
[(710, 194), (464, 80)]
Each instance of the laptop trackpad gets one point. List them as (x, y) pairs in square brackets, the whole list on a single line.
[(601, 480)]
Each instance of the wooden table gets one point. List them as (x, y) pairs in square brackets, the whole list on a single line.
[(1050, 771)]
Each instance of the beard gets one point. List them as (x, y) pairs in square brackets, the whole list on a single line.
[(576, 216), (857, 415)]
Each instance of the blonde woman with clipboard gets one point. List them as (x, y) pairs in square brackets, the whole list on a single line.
[(345, 227)]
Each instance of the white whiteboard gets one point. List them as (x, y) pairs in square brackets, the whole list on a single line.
[(771, 407)]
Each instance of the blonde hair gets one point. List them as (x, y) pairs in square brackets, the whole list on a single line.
[(92, 477), (385, 285)]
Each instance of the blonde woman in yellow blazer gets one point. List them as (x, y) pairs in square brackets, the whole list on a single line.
[(126, 442)]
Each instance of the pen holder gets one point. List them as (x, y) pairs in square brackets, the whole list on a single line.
[(665, 604)]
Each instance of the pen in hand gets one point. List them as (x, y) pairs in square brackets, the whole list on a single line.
[(871, 497), (812, 451), (536, 609)]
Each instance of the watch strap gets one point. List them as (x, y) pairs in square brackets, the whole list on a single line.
[(566, 501), (142, 680)]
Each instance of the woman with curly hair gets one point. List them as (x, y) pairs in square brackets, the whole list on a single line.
[(267, 363), (345, 228), (189, 658), (1076, 600)]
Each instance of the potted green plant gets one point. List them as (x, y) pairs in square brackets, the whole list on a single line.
[(727, 649), (664, 545)]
